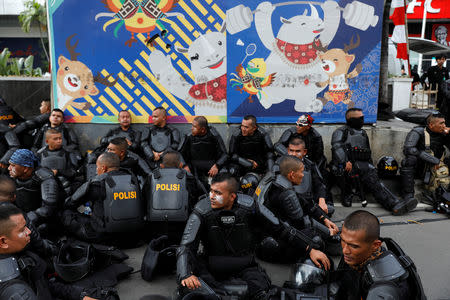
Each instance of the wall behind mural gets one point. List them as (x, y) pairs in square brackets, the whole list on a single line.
[(219, 58)]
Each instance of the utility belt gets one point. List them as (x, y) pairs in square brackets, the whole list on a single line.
[(355, 154)]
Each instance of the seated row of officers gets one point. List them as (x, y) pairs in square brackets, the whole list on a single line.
[(290, 208)]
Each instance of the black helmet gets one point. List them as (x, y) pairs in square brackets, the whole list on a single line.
[(249, 183), (305, 276), (387, 167), (74, 260)]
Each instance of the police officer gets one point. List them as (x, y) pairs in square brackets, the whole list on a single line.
[(368, 270), (114, 199), (352, 157), (170, 195), (41, 246), (63, 164), (159, 138), (37, 190), (225, 223), (56, 121), (129, 160), (310, 135), (417, 154), (436, 76), (204, 150), (125, 130), (9, 141), (250, 148)]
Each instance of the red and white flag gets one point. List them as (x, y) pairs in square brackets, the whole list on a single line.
[(399, 34)]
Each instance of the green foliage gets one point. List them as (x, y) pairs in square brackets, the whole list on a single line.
[(34, 12), (17, 66)]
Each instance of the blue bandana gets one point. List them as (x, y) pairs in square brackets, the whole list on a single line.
[(24, 157)]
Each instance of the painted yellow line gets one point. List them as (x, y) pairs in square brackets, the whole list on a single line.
[(185, 69), (148, 103), (137, 92), (165, 105), (200, 7), (140, 109), (72, 110), (99, 109), (177, 44), (142, 38), (163, 89), (171, 37), (218, 11), (147, 87), (211, 19), (108, 105), (172, 112), (196, 34), (208, 1), (126, 80), (217, 26), (186, 23), (113, 95), (123, 92), (192, 14), (173, 56), (123, 106), (181, 33), (124, 63)]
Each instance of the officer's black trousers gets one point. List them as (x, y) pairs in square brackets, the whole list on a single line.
[(16, 289)]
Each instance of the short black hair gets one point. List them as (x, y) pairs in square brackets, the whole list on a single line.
[(232, 183), (6, 211), (58, 110), (171, 159), (363, 220), (352, 110), (290, 163), (201, 121), (433, 116), (124, 110), (46, 101), (161, 109), (251, 117), (121, 142), (296, 141), (441, 56), (7, 188), (110, 160), (51, 131)]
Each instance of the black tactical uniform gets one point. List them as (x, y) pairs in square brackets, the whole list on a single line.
[(38, 196), (352, 145), (202, 152), (27, 130), (70, 140), (66, 163), (8, 139), (437, 76), (257, 147), (117, 207), (313, 142), (416, 156), (132, 134), (228, 238), (390, 275), (159, 139)]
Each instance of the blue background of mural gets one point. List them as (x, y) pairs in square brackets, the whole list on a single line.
[(364, 86)]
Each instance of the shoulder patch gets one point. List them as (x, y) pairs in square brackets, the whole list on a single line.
[(44, 173), (236, 131), (281, 181), (203, 206), (262, 130), (245, 200)]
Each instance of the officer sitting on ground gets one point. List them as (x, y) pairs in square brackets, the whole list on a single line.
[(368, 270), (307, 133), (159, 138), (418, 152), (204, 150), (41, 246), (124, 130), (352, 158), (56, 121), (115, 199), (63, 164), (170, 195), (129, 160), (37, 190), (250, 148), (226, 224)]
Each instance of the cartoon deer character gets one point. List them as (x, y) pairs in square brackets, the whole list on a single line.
[(75, 80), (293, 55), (336, 63), (207, 55)]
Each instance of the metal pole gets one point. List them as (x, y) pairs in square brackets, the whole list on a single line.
[(424, 23)]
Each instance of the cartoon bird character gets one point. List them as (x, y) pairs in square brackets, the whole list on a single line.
[(139, 16), (253, 78)]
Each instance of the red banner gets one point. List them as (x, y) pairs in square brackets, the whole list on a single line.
[(437, 9)]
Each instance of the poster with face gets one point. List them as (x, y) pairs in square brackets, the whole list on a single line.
[(440, 34), (292, 57)]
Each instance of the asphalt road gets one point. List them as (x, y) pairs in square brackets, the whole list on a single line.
[(427, 243)]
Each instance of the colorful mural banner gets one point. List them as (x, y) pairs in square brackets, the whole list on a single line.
[(219, 58)]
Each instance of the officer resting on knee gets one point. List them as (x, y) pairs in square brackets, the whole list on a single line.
[(115, 200), (226, 223), (352, 160), (368, 270)]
